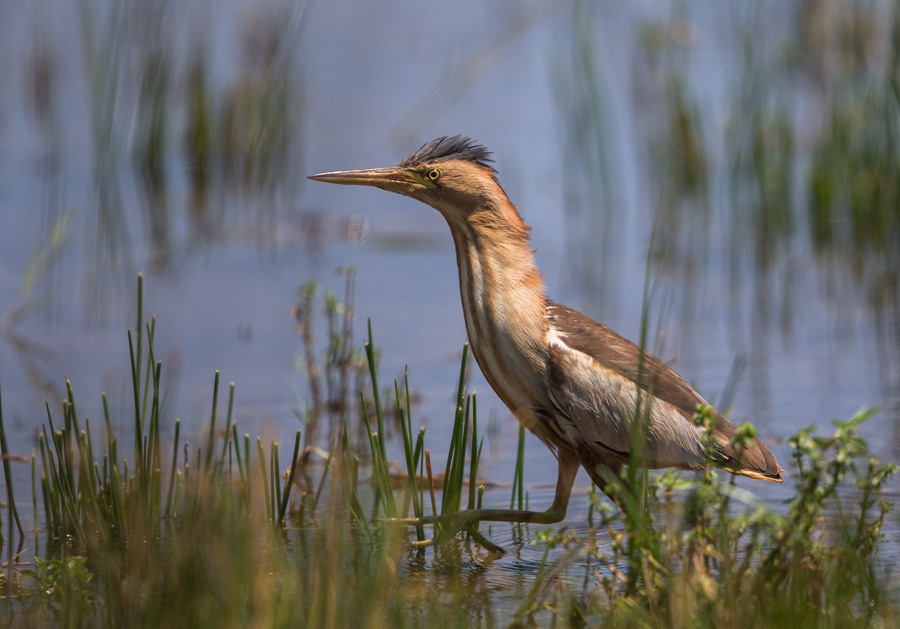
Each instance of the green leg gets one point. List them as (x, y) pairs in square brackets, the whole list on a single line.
[(568, 468)]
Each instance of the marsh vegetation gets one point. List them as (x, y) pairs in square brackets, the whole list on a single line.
[(222, 533), (761, 140)]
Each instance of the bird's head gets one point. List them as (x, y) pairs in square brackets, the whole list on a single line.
[(451, 174)]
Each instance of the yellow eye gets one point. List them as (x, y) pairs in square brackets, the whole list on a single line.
[(433, 174)]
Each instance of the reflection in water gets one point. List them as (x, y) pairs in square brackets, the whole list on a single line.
[(593, 222), (32, 300), (151, 144), (40, 283), (759, 146), (854, 209), (854, 181), (797, 186), (764, 136), (42, 97), (678, 154), (258, 108), (677, 166), (769, 154), (107, 251), (240, 139), (198, 143)]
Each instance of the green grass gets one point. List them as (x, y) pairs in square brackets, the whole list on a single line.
[(220, 536)]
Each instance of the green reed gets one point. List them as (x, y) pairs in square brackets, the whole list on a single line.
[(518, 484), (211, 545), (456, 456), (414, 452), (734, 562)]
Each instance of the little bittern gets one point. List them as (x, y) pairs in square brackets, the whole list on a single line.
[(571, 381)]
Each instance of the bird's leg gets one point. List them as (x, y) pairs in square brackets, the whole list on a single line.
[(568, 468), (608, 478)]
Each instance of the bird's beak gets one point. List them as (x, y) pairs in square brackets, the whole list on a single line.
[(394, 179)]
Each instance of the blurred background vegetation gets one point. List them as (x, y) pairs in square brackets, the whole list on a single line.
[(762, 138), (757, 140)]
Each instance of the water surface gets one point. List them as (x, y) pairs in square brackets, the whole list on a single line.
[(759, 138)]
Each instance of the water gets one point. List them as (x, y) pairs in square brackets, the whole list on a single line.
[(714, 123)]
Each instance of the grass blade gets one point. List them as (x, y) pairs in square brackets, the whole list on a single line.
[(212, 423)]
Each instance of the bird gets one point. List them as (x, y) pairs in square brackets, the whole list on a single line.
[(571, 381)]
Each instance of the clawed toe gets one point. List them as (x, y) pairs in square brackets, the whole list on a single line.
[(459, 521)]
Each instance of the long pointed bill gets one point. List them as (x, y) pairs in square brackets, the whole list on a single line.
[(394, 179)]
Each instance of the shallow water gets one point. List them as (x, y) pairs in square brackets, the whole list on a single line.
[(590, 112)]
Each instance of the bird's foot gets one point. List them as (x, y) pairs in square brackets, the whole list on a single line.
[(448, 525)]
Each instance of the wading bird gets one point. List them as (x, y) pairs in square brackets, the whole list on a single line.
[(573, 382)]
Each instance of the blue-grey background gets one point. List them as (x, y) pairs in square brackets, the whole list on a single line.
[(758, 140)]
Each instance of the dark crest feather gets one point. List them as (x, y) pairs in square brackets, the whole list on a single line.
[(446, 148)]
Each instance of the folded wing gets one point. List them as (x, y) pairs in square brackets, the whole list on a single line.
[(594, 376)]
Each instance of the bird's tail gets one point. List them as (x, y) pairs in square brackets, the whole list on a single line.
[(756, 462)]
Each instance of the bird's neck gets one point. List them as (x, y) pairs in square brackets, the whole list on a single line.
[(503, 298)]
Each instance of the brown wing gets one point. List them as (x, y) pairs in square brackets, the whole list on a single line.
[(618, 354)]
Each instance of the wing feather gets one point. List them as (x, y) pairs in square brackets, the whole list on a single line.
[(619, 361)]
